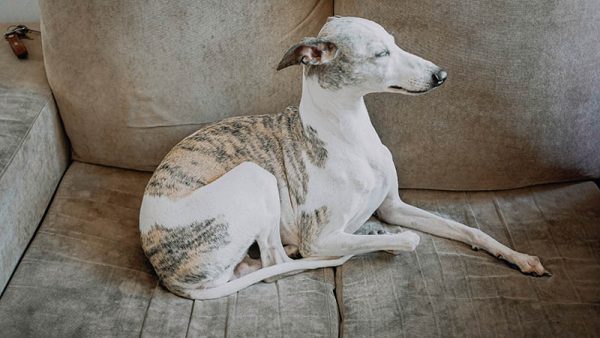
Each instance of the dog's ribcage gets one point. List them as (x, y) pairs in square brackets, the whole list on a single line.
[(279, 143)]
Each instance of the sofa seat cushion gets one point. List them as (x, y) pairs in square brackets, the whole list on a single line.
[(446, 289), (85, 274), (33, 151)]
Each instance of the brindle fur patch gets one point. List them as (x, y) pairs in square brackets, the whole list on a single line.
[(355, 52), (310, 224), (338, 73), (178, 254), (279, 143)]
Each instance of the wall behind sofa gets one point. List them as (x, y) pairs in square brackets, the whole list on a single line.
[(19, 11)]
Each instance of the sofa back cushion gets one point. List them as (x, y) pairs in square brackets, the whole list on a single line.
[(132, 78), (521, 105)]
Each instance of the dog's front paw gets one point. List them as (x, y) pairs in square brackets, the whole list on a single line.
[(530, 265), (410, 240)]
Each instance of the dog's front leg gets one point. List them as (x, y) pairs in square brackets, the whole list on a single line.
[(341, 244), (394, 211)]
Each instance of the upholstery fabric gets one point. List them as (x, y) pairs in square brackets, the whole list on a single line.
[(446, 289), (85, 274), (33, 151), (132, 78), (521, 105)]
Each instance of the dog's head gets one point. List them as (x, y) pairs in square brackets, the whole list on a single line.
[(358, 54)]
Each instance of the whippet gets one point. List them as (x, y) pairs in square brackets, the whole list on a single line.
[(305, 179)]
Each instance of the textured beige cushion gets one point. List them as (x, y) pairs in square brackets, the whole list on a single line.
[(522, 102), (521, 105), (33, 151), (445, 289), (132, 78), (85, 275)]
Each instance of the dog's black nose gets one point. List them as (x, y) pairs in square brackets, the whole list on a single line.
[(439, 77)]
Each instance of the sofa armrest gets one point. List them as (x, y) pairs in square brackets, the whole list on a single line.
[(34, 152)]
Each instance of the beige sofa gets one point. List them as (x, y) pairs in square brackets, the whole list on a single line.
[(510, 144)]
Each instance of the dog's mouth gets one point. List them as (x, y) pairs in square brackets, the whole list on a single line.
[(409, 91)]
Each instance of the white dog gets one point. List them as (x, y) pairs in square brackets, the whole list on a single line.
[(305, 179)]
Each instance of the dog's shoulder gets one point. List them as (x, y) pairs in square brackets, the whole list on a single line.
[(213, 150)]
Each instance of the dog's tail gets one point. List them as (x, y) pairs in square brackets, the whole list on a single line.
[(262, 274)]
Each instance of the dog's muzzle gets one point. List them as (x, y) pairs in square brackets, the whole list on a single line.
[(437, 78)]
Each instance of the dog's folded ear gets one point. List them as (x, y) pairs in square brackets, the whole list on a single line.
[(311, 51)]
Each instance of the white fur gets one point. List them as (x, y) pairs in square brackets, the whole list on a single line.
[(358, 180)]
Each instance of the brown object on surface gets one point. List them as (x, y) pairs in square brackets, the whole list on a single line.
[(17, 46)]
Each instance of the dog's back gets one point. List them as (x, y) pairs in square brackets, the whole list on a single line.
[(275, 142)]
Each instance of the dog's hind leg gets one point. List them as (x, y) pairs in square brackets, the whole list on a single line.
[(272, 251), (196, 241), (393, 210), (271, 248)]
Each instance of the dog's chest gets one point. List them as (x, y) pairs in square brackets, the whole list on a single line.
[(359, 174), (351, 186), (363, 175)]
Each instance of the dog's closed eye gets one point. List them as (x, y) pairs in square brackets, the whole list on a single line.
[(382, 53)]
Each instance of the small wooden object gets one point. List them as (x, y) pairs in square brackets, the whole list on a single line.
[(17, 45), (15, 35)]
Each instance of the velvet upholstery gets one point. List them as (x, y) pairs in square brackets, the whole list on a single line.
[(446, 289), (33, 151), (521, 105), (132, 78), (85, 275)]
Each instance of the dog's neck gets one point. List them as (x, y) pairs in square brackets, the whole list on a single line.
[(336, 115)]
